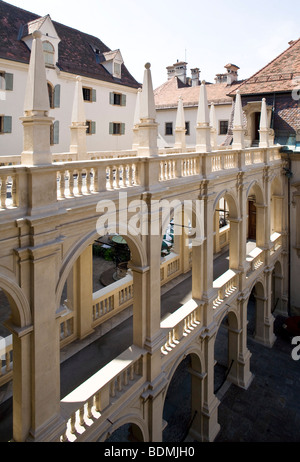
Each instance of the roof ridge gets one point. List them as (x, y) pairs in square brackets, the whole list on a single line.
[(271, 62)]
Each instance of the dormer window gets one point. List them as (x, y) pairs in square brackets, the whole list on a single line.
[(113, 63), (48, 49)]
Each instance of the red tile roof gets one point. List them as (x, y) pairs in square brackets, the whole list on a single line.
[(168, 93), (76, 54), (277, 76)]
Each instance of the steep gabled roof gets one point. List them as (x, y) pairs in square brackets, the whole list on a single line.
[(168, 93), (76, 49), (278, 76)]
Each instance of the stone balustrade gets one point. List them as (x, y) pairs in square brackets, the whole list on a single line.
[(255, 260), (87, 177), (180, 324), (225, 286), (85, 405), (112, 299)]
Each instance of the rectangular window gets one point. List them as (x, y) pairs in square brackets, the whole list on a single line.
[(89, 94), (187, 127), (117, 70), (6, 81), (54, 133), (223, 127), (117, 99), (91, 127), (169, 128), (116, 128), (5, 124)]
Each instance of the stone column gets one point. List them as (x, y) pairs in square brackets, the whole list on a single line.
[(210, 423), (208, 258), (244, 375), (180, 127), (264, 332), (203, 127), (238, 124), (148, 127), (264, 126), (22, 411), (217, 247), (84, 292), (78, 126), (45, 346), (36, 123)]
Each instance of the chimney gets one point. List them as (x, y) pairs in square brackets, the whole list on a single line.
[(195, 73), (171, 72), (180, 70), (232, 73)]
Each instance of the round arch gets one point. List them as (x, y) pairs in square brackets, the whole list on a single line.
[(192, 209), (256, 309), (139, 428), (183, 397), (257, 190), (226, 349), (231, 200), (21, 314), (138, 255)]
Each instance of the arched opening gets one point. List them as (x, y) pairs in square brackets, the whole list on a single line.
[(14, 309), (127, 433), (178, 229), (225, 235), (50, 94), (99, 282), (256, 312), (276, 207), (183, 401), (226, 352), (6, 376), (255, 218)]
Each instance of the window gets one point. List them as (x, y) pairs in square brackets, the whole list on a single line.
[(5, 124), (48, 49), (223, 127), (6, 81), (169, 128), (89, 94), (91, 127), (116, 128), (187, 127), (117, 99), (117, 70), (54, 95), (54, 133)]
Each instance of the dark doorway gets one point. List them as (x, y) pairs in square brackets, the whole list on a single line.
[(256, 126), (252, 220)]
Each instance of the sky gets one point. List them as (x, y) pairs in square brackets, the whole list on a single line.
[(205, 34)]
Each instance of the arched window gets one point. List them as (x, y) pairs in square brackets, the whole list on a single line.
[(51, 95), (48, 53)]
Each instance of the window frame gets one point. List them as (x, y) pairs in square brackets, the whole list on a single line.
[(2, 124), (92, 91), (169, 125), (220, 124), (48, 53), (188, 128), (113, 125)]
